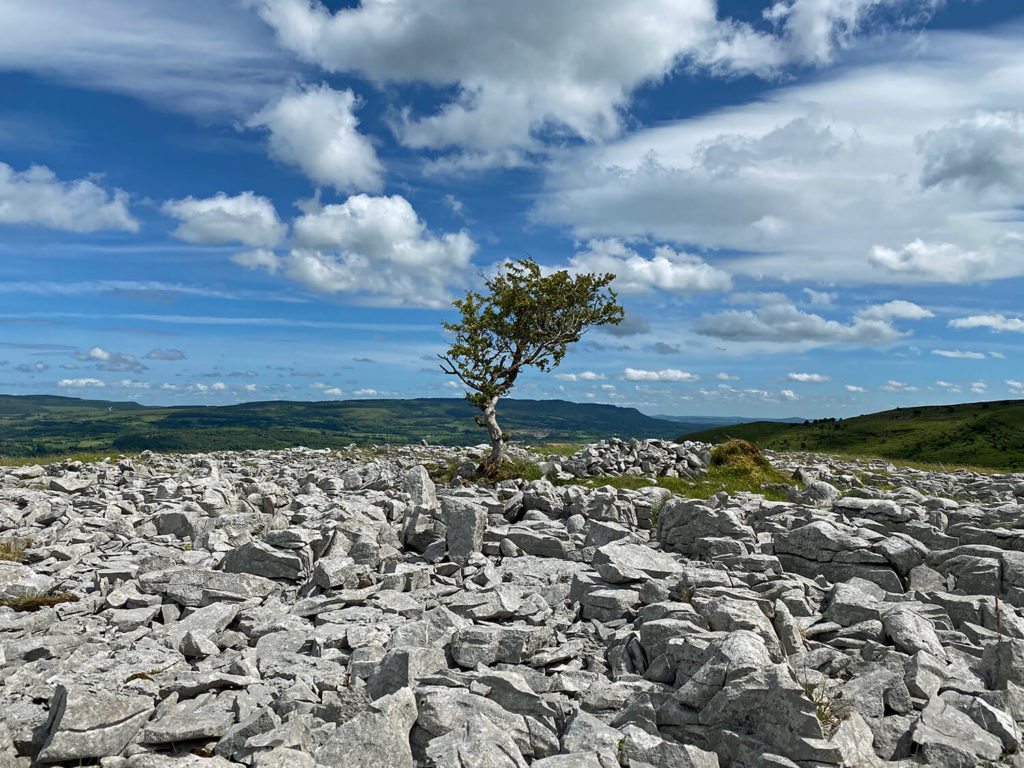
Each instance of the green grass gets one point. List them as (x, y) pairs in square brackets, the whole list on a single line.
[(46, 427), (734, 469), (987, 436), (86, 457)]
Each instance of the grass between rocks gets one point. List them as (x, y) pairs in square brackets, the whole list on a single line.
[(34, 603), (736, 467), (86, 457), (13, 550)]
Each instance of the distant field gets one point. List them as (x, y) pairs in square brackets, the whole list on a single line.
[(50, 425), (976, 434)]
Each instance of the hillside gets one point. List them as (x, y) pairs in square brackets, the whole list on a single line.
[(978, 434), (40, 425)]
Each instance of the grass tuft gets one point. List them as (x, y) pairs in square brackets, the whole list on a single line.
[(34, 603), (14, 549)]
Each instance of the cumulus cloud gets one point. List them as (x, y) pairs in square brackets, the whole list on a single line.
[(165, 354), (584, 376), (376, 248), (959, 353), (333, 392), (36, 197), (726, 377), (808, 377), (855, 388), (818, 179), (365, 392), (820, 297), (788, 394), (948, 386), (667, 270), (997, 323), (218, 386), (81, 383), (246, 218), (133, 384), (782, 322), (111, 361), (979, 387), (979, 152), (1016, 387), (667, 374), (316, 130), (943, 261), (258, 259), (891, 310)]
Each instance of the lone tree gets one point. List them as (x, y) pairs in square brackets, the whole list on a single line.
[(526, 319)]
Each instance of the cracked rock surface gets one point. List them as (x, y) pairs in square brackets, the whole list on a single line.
[(307, 608)]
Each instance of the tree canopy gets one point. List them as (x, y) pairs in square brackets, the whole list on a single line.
[(525, 319)]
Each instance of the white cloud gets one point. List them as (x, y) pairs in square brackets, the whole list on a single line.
[(948, 386), (789, 394), (667, 374), (855, 388), (81, 383), (261, 258), (959, 353), (1016, 387), (111, 361), (942, 261), (979, 152), (781, 322), (365, 392), (997, 323), (813, 30), (188, 55), (165, 354), (726, 377), (584, 376), (820, 298), (246, 218), (667, 270), (833, 164), (37, 197), (998, 355), (891, 310), (808, 377), (219, 386), (897, 386), (133, 384), (979, 387), (333, 392), (373, 247), (168, 387), (33, 367), (315, 129), (199, 387)]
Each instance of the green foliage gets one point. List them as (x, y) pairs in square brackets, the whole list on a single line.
[(34, 430), (948, 437), (830, 706), (526, 319)]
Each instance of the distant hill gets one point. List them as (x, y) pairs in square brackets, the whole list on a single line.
[(46, 424), (978, 434)]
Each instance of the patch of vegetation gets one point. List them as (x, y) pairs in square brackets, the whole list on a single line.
[(735, 468), (14, 549), (34, 603), (947, 437), (143, 675), (830, 706), (562, 449), (86, 457), (43, 428)]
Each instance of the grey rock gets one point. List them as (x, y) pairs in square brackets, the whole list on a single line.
[(619, 563), (466, 522), (88, 724), (378, 736), (948, 738)]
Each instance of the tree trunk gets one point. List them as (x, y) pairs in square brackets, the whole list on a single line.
[(490, 421)]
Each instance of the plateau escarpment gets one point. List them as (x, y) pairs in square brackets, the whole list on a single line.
[(308, 608)]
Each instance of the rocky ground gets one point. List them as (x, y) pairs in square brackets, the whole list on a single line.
[(302, 608)]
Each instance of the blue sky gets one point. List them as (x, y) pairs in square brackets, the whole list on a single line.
[(814, 207)]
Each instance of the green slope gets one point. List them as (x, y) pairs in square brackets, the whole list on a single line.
[(42, 425), (976, 434)]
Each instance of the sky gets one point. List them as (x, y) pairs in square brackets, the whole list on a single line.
[(812, 207)]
